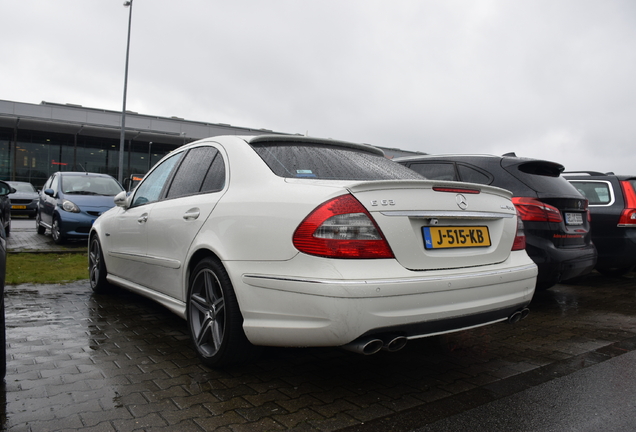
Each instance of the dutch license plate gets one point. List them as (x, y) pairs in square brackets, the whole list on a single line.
[(574, 219), (455, 237), (18, 207)]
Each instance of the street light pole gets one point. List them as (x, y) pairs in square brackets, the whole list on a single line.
[(120, 174)]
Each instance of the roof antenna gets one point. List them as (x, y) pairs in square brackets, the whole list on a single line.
[(83, 169)]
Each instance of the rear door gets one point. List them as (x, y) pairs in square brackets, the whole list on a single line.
[(174, 222)]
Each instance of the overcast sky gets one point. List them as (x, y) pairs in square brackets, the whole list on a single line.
[(543, 78)]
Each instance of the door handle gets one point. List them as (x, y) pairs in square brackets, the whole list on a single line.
[(143, 218), (192, 214)]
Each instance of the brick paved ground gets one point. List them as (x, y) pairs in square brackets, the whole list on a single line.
[(85, 362)]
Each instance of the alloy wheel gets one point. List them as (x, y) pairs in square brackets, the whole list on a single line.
[(207, 312)]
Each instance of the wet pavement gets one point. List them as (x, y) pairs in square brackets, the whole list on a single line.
[(118, 362)]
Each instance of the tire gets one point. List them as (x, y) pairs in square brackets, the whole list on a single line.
[(97, 267), (40, 228), (56, 232), (214, 318)]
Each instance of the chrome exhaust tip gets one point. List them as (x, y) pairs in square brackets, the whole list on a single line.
[(518, 315), (395, 343), (366, 346)]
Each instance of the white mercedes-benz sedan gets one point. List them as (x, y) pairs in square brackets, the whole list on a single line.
[(294, 241)]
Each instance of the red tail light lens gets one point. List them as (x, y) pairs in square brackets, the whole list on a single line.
[(520, 236), (628, 216), (532, 209), (341, 228)]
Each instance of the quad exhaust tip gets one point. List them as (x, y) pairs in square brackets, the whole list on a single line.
[(518, 315), (371, 345)]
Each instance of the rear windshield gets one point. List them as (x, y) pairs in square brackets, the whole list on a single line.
[(542, 177), (311, 161)]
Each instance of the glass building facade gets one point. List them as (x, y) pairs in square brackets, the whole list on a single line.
[(37, 140), (32, 156)]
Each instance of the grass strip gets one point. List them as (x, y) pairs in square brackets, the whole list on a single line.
[(39, 268)]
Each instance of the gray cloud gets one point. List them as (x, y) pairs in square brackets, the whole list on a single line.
[(545, 79)]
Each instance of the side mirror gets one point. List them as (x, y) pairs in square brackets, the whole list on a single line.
[(49, 192), (121, 199), (5, 189)]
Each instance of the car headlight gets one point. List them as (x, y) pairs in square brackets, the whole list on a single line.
[(70, 206)]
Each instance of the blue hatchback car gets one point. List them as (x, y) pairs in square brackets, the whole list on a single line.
[(70, 202)]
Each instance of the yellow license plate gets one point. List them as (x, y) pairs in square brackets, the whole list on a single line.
[(18, 207), (455, 237)]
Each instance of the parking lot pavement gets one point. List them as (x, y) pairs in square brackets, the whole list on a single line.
[(87, 362)]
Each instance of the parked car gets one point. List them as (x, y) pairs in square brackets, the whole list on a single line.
[(70, 202), (24, 201), (296, 241), (554, 213), (5, 189), (612, 201), (5, 208)]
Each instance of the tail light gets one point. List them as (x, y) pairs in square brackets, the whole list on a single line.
[(520, 236), (532, 209), (628, 216), (341, 228)]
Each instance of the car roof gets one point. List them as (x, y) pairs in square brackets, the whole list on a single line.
[(296, 139), (78, 173), (507, 159), (594, 174)]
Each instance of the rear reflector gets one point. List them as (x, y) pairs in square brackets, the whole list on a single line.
[(532, 209), (628, 216), (341, 228)]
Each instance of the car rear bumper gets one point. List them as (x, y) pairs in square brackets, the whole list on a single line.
[(311, 311), (617, 251), (560, 264)]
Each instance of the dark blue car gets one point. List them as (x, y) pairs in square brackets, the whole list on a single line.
[(71, 201)]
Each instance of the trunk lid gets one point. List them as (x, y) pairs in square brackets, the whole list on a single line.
[(433, 225)]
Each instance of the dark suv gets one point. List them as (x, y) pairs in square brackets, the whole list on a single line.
[(612, 201), (555, 215)]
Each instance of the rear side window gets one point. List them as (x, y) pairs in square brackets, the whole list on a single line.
[(597, 192), (329, 163), (198, 173), (472, 175), (435, 171)]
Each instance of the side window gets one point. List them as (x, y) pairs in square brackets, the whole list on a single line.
[(150, 189), (215, 179), (597, 193), (472, 175), (55, 180), (193, 172), (48, 183), (435, 171)]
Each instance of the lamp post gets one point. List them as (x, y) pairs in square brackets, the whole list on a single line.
[(120, 174), (149, 148)]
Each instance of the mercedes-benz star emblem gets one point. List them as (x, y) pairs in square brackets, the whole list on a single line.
[(461, 201)]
